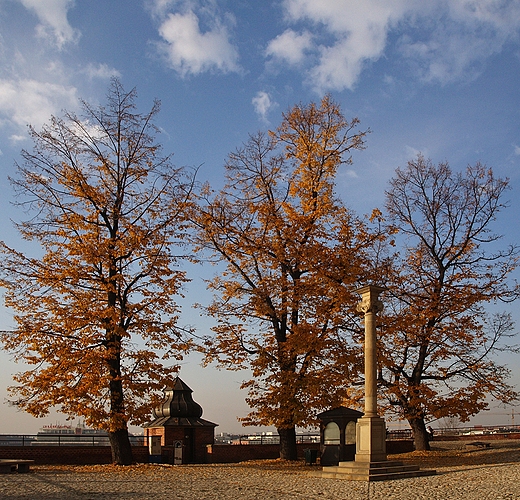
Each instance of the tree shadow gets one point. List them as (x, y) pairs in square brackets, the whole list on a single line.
[(467, 455)]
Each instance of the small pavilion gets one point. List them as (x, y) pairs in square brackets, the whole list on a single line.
[(178, 421), (338, 434)]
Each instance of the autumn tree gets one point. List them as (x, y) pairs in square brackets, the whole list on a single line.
[(293, 257), (438, 340), (95, 310)]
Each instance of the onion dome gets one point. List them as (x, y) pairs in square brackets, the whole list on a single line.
[(178, 409), (178, 402)]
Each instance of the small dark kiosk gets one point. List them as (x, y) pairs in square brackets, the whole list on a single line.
[(338, 435), (184, 435)]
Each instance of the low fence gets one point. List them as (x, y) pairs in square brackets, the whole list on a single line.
[(68, 455), (63, 440), (233, 453), (399, 434), (85, 450), (217, 453), (246, 439), (265, 439), (480, 437), (505, 432)]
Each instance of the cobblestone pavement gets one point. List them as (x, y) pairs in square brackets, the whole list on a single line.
[(479, 474)]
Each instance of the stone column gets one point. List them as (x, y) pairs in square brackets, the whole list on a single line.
[(371, 429)]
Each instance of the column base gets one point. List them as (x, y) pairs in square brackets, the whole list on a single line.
[(370, 462), (370, 440), (373, 471)]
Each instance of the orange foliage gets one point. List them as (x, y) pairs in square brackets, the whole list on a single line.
[(436, 349), (95, 313), (294, 256)]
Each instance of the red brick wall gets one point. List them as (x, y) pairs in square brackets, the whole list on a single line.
[(156, 431), (232, 453), (228, 453), (68, 455), (479, 437), (399, 446), (220, 453)]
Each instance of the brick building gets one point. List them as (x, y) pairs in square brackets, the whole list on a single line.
[(177, 420)]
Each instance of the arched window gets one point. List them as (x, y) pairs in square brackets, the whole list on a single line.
[(331, 433), (350, 433)]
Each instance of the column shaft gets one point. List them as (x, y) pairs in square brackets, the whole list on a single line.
[(370, 366)]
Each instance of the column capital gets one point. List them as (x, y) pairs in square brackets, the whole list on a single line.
[(370, 299)]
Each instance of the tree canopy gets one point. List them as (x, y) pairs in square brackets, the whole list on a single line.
[(438, 337), (294, 255), (95, 312)]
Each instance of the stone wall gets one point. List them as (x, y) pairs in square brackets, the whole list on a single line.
[(68, 455), (478, 437), (219, 453), (232, 453)]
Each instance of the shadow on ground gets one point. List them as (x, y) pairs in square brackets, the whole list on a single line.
[(460, 453)]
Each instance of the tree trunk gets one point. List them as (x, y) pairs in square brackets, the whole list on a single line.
[(288, 444), (121, 448), (420, 434), (119, 440)]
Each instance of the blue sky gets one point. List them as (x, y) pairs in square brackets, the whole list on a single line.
[(438, 77)]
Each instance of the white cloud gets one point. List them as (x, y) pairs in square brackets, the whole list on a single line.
[(189, 50), (290, 46), (502, 16), (15, 138), (444, 40), (341, 64), (457, 48), (263, 104), (102, 71), (159, 7), (52, 15), (357, 33), (24, 102), (411, 152), (342, 16), (516, 150)]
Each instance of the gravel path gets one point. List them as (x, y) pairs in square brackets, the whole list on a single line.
[(477, 474)]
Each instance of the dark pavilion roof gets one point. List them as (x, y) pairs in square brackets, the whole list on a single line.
[(178, 408), (339, 413)]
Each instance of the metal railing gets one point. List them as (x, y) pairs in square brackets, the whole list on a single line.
[(264, 438), (399, 434), (477, 430), (62, 440), (142, 440)]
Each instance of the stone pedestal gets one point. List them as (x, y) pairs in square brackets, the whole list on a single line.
[(374, 471), (370, 439)]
